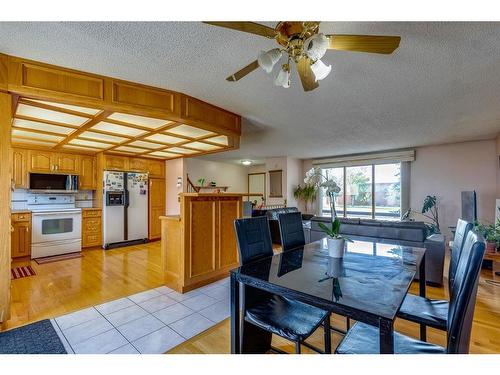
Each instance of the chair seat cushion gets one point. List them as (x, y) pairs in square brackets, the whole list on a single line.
[(292, 320), (364, 339), (432, 313)]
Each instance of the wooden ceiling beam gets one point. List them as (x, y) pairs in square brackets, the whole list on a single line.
[(48, 122)]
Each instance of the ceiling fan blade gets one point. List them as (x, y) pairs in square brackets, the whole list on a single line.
[(243, 72), (306, 74), (365, 43), (247, 27)]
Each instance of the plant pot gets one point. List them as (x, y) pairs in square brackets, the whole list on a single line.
[(491, 247), (336, 247), (335, 267)]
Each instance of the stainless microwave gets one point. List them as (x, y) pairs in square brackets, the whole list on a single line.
[(53, 182)]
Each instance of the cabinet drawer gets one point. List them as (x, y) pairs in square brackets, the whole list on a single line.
[(92, 225), (20, 217), (91, 240), (91, 213)]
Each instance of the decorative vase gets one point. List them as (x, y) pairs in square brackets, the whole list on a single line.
[(335, 267), (336, 247)]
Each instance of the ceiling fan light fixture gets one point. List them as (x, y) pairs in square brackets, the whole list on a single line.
[(320, 70), (283, 77), (316, 46), (267, 60)]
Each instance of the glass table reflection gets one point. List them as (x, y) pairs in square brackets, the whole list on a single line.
[(368, 284)]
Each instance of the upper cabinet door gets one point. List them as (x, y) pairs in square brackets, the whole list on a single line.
[(68, 163), (156, 168), (41, 161), (88, 178), (116, 163), (19, 168), (138, 165)]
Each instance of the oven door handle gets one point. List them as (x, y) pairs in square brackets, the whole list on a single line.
[(72, 213)]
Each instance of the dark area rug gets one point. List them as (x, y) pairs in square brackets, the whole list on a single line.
[(35, 338)]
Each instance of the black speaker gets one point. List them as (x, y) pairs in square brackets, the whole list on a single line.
[(469, 206)]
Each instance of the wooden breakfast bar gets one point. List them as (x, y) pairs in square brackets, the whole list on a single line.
[(199, 245)]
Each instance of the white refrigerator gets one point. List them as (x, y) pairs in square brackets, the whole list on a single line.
[(125, 208)]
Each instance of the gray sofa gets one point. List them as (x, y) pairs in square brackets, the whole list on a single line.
[(406, 233)]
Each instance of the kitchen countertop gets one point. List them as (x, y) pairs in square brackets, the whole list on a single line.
[(20, 211)]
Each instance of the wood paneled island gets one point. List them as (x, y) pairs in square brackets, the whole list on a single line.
[(199, 245)]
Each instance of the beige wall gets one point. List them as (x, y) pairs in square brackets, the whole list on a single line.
[(223, 174), (174, 168), (447, 170)]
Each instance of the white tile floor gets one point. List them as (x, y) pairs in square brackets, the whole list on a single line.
[(151, 322)]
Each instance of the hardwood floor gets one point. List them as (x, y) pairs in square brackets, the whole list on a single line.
[(101, 276), (485, 330)]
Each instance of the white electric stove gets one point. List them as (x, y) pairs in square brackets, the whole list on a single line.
[(56, 225)]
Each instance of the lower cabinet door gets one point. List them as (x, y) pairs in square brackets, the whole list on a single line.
[(21, 239)]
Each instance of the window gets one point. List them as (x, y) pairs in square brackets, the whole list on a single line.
[(367, 191)]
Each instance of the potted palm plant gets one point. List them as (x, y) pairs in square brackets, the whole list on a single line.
[(307, 194), (336, 242)]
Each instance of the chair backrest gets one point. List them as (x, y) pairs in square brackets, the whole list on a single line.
[(463, 228), (291, 230), (463, 300), (254, 239)]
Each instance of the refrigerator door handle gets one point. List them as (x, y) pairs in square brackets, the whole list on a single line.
[(126, 196)]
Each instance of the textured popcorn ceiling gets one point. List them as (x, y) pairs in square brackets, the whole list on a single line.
[(441, 85)]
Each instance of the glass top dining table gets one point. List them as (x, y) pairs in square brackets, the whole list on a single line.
[(368, 284)]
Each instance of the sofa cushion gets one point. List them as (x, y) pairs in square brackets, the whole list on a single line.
[(273, 214)]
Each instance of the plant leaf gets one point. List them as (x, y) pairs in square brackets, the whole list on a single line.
[(429, 202)]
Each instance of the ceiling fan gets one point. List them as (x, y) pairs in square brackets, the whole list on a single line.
[(302, 43)]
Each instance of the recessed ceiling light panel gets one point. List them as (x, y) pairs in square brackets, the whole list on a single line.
[(83, 142), (220, 139), (86, 110), (163, 154), (163, 138), (146, 144), (147, 122), (189, 131), (181, 150), (46, 114), (102, 137), (131, 149), (37, 136), (27, 124), (202, 146), (118, 129)]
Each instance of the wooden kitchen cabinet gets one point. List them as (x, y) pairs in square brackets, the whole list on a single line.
[(156, 168), (117, 163), (67, 163), (53, 162), (91, 228), (88, 173), (20, 168), (138, 165), (41, 161), (156, 206), (21, 235)]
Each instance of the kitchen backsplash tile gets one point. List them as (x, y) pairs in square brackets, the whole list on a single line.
[(19, 199)]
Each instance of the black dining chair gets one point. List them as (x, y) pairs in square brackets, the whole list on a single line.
[(287, 318), (364, 339), (292, 237), (433, 312), (291, 230)]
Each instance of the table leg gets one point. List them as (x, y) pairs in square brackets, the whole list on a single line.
[(386, 328), (421, 279), (235, 315)]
